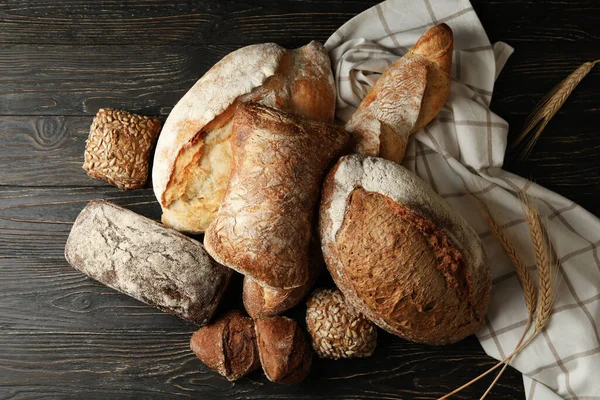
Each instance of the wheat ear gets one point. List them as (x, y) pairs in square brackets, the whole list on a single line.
[(529, 290), (520, 268), (549, 106), (544, 261)]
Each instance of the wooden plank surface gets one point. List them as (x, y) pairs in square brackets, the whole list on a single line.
[(115, 22), (63, 335)]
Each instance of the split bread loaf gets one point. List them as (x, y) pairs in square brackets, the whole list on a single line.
[(405, 98), (192, 161), (145, 260), (263, 226), (228, 345), (400, 254)]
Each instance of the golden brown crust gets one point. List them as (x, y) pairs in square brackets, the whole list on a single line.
[(261, 302), (284, 351), (118, 147), (193, 158), (400, 254), (263, 226), (405, 98), (228, 346), (417, 281)]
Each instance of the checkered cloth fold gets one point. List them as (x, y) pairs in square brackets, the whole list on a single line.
[(465, 146)]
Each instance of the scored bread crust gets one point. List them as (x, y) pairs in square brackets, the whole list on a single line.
[(405, 98), (192, 161), (263, 226), (236, 74), (383, 177)]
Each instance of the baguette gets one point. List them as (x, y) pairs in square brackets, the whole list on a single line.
[(405, 98)]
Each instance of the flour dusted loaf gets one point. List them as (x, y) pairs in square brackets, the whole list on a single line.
[(147, 261), (263, 226), (192, 161), (400, 254), (405, 98)]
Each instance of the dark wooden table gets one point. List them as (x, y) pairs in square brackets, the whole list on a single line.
[(65, 336)]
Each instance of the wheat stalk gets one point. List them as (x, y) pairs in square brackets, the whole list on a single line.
[(544, 261), (520, 268), (549, 106)]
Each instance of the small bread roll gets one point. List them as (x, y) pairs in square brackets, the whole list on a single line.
[(400, 254), (336, 329), (228, 346), (284, 351), (405, 98)]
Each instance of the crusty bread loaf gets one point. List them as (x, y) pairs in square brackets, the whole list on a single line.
[(263, 226), (261, 302), (284, 351), (192, 162), (228, 345), (400, 254), (405, 98), (147, 261)]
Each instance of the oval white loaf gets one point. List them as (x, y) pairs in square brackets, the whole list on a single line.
[(400, 254), (192, 161)]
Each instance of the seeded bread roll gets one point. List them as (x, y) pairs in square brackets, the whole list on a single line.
[(192, 162), (118, 147), (263, 226), (405, 98), (336, 329), (147, 261), (228, 345), (400, 254), (284, 351)]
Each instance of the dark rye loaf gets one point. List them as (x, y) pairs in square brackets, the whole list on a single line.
[(147, 261)]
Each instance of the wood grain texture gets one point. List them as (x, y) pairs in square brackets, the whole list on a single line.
[(144, 363), (115, 22), (78, 80), (63, 335)]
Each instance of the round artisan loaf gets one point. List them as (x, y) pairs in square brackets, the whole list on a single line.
[(400, 254), (193, 157)]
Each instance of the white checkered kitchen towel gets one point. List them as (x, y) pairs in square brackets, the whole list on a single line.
[(465, 145)]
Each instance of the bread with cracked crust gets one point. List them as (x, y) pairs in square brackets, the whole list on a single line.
[(192, 161), (405, 98), (263, 226), (400, 254)]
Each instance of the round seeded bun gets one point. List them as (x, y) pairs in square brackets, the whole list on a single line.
[(400, 254), (336, 329)]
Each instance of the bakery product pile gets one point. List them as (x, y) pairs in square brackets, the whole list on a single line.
[(249, 157)]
